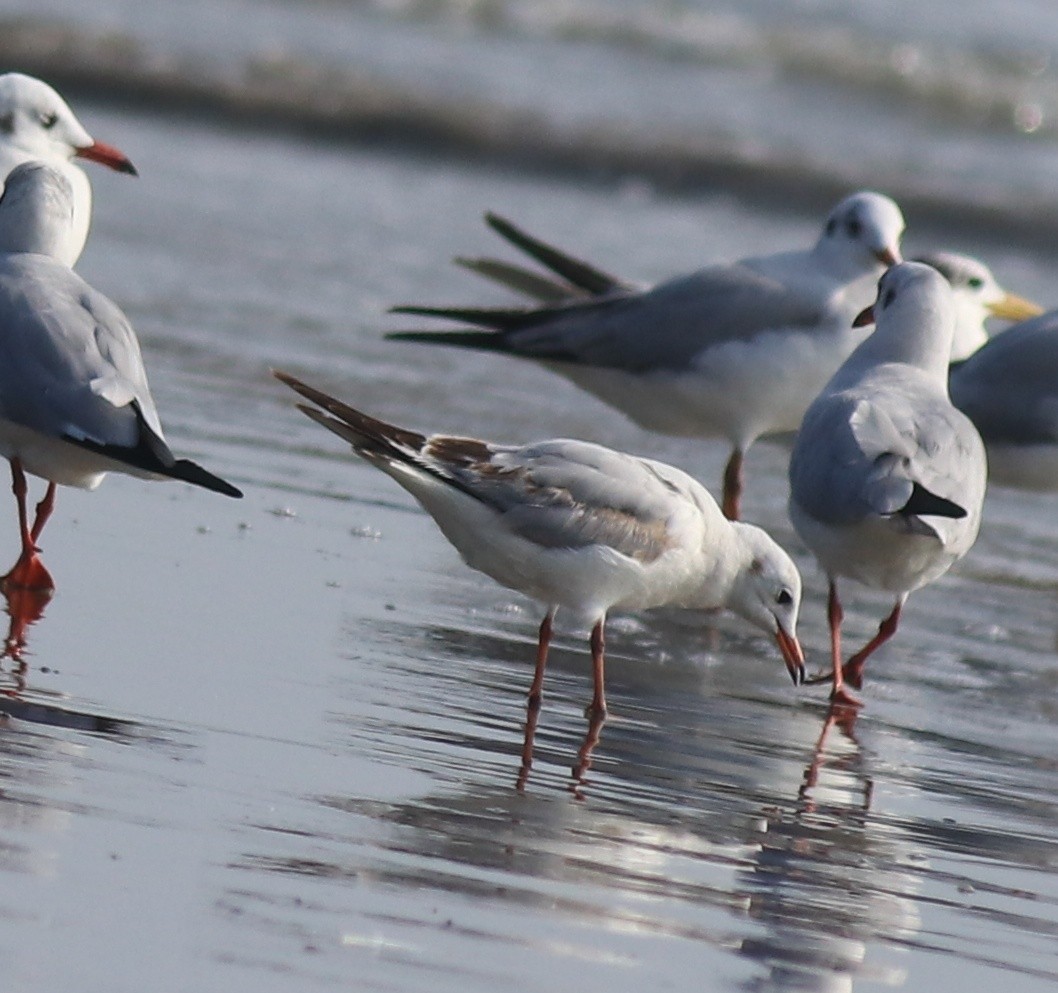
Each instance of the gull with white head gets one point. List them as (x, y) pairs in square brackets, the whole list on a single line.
[(887, 477), (581, 527), (36, 124), (74, 399), (733, 351), (978, 296)]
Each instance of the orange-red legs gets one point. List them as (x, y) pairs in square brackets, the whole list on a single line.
[(28, 572)]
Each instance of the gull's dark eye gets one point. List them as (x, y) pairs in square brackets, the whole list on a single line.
[(48, 121), (975, 282), (831, 227), (854, 228), (888, 297), (784, 599)]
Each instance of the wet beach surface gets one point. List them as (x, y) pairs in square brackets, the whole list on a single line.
[(273, 744)]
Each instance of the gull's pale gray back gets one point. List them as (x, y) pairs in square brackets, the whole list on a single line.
[(36, 210), (70, 364), (564, 493), (1009, 387)]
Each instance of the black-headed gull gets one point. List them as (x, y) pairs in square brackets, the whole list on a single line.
[(736, 351), (36, 124), (887, 478), (1009, 389), (74, 399), (977, 296), (581, 527)]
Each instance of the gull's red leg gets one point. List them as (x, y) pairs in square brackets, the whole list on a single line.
[(835, 615), (587, 748), (853, 669), (598, 665), (536, 695), (28, 572), (536, 691), (44, 509)]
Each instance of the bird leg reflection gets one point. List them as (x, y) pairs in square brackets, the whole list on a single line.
[(25, 607), (844, 718), (29, 573)]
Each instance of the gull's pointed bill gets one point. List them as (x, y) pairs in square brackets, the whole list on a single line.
[(38, 125), (887, 478), (734, 351), (580, 527), (107, 155), (74, 399)]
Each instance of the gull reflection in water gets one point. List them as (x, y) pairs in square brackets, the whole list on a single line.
[(828, 883), (24, 607)]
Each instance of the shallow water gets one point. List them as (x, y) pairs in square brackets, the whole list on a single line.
[(274, 744)]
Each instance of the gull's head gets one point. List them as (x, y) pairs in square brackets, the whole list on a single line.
[(767, 593), (38, 123), (978, 296), (36, 210), (914, 318), (862, 235)]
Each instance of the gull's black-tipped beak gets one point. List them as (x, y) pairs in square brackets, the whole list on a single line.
[(864, 317), (791, 655), (109, 156)]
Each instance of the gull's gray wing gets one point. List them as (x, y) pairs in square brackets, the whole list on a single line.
[(70, 365), (666, 327), (1009, 387), (569, 494), (891, 445), (558, 493)]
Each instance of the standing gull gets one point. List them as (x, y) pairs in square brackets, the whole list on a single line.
[(887, 478), (735, 350), (1009, 389), (74, 399), (37, 125), (582, 527)]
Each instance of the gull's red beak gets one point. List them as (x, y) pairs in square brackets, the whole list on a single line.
[(864, 317), (791, 655), (107, 155), (887, 257)]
